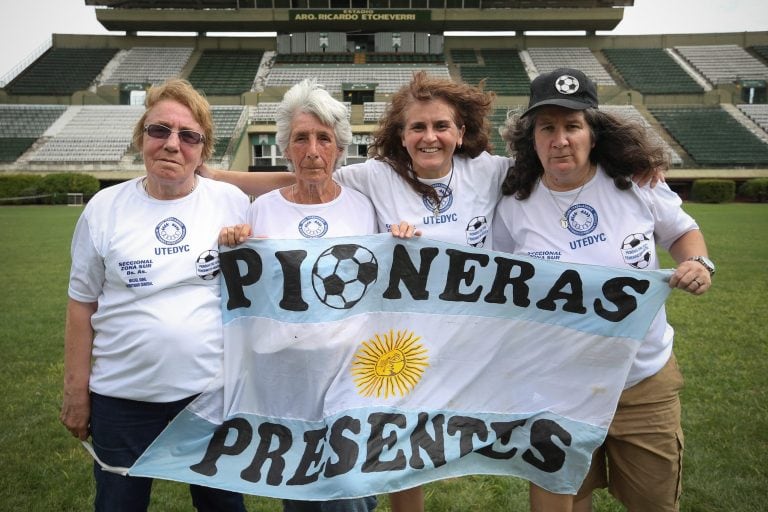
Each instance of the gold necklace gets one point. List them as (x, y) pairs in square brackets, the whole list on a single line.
[(563, 219)]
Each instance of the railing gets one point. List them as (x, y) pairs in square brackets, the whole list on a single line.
[(29, 59)]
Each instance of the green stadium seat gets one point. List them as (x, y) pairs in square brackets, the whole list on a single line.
[(61, 72), (651, 71), (226, 72), (503, 71), (712, 137)]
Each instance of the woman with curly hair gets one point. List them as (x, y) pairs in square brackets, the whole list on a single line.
[(430, 169), (571, 198), (431, 165)]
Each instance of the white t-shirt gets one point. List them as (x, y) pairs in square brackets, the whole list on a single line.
[(467, 205), (606, 226), (153, 268), (351, 213)]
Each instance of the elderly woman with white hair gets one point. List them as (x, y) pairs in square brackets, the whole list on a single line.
[(313, 133)]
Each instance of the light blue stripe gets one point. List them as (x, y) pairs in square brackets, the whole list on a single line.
[(181, 446), (266, 294)]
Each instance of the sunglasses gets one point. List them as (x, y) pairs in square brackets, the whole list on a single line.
[(158, 131)]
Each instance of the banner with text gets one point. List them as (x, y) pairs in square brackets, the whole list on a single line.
[(362, 365)]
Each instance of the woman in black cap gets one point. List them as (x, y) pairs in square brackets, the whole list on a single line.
[(571, 196)]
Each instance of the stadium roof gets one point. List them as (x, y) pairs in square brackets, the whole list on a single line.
[(358, 15)]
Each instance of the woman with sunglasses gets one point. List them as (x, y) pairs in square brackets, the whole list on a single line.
[(143, 333)]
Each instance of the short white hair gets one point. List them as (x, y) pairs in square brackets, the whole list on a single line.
[(310, 97)]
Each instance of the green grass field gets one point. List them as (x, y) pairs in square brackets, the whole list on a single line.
[(721, 343)]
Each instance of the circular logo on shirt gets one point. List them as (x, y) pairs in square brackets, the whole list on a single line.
[(170, 231), (313, 227), (446, 198), (582, 219)]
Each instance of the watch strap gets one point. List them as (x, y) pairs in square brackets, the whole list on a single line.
[(705, 262)]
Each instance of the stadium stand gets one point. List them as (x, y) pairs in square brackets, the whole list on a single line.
[(315, 58), (463, 56), (62, 72), (704, 94), (93, 134), (761, 50), (404, 58), (147, 65), (264, 112), (498, 118), (226, 72), (711, 136), (631, 113), (502, 70), (651, 71), (22, 125), (228, 122), (724, 63), (388, 78), (11, 148), (757, 113), (28, 120), (373, 110), (549, 59)]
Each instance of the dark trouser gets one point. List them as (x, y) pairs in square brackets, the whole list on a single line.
[(121, 430), (366, 504)]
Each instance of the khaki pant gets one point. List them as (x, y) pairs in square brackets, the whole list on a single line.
[(641, 459)]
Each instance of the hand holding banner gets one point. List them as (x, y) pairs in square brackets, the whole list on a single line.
[(362, 365)]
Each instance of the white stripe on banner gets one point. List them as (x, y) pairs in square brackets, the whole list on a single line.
[(362, 365)]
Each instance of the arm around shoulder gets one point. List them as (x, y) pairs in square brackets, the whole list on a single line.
[(252, 183)]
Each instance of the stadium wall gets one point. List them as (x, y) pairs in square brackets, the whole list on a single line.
[(599, 42), (723, 93)]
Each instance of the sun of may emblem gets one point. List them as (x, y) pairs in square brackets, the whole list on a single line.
[(389, 365)]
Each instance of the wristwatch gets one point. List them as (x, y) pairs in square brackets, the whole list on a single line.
[(706, 262)]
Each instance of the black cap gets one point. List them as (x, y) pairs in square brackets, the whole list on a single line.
[(566, 87)]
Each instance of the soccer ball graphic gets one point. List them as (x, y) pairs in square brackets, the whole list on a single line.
[(477, 231), (342, 275), (636, 250), (567, 84), (207, 265)]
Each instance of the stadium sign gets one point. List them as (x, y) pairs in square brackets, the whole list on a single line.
[(362, 15)]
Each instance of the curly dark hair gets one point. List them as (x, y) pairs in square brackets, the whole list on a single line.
[(622, 147), (471, 107)]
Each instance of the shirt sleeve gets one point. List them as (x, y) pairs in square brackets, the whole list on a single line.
[(502, 234), (86, 276), (356, 176), (670, 220)]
